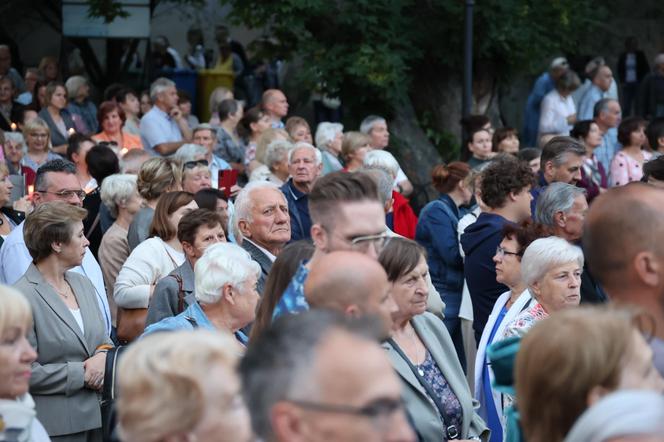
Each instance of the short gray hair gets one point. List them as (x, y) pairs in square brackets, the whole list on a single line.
[(158, 86), (244, 204), (557, 197), (382, 178), (204, 126), (73, 84), (546, 253), (117, 189), (275, 152), (557, 149), (17, 137), (303, 145), (221, 264), (382, 159), (367, 124), (326, 132), (189, 152)]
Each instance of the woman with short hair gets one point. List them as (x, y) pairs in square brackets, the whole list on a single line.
[(68, 331), (112, 121), (558, 111), (353, 149), (182, 369), (81, 108), (229, 144), (37, 139), (329, 138), (627, 164), (298, 129), (11, 112), (276, 160), (593, 176), (57, 117)]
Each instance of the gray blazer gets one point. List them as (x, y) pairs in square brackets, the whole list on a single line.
[(164, 302), (428, 424), (262, 259), (64, 405)]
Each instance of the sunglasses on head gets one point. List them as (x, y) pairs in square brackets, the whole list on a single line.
[(193, 164)]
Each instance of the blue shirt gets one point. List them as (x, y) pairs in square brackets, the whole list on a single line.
[(293, 300), (608, 149), (493, 420), (157, 127), (215, 166), (298, 206), (587, 103)]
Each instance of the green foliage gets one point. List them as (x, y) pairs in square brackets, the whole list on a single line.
[(109, 10), (445, 142)]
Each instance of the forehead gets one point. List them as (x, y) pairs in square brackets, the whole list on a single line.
[(197, 170), (580, 202), (62, 180), (267, 197), (359, 218), (571, 160), (203, 133), (379, 125), (303, 152), (562, 268)]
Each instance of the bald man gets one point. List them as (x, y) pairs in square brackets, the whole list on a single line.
[(351, 283), (624, 244), (275, 104)]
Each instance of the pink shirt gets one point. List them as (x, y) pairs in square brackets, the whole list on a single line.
[(625, 169)]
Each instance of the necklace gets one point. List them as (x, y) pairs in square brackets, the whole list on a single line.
[(64, 293), (414, 341)]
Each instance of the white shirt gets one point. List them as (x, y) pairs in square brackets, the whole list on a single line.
[(554, 112), (15, 260), (76, 313)]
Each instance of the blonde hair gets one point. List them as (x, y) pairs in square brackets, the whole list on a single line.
[(35, 124), (14, 310), (266, 138), (352, 142), (170, 368), (157, 176)]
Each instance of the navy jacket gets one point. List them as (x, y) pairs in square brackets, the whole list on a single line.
[(300, 222), (479, 243), (536, 191), (437, 233)]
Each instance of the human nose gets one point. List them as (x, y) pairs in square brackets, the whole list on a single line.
[(281, 216), (85, 242), (28, 354)]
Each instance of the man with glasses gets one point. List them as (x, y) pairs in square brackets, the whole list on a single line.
[(346, 215), (56, 181), (318, 377)]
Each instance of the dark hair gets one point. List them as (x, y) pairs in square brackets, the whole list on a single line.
[(400, 256), (183, 96), (558, 147), (281, 273), (446, 177), (581, 129), (168, 203), (121, 94), (111, 92), (655, 131), (57, 165), (627, 127), (250, 116), (227, 108), (653, 168), (525, 233), (528, 154), (106, 108), (102, 162), (502, 177), (192, 221), (469, 125), (500, 135), (34, 104), (336, 188), (74, 144), (207, 198)]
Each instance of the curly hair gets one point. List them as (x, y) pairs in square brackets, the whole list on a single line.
[(504, 176)]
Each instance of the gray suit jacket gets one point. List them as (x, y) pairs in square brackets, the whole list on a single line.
[(64, 405), (262, 259), (428, 424), (164, 302)]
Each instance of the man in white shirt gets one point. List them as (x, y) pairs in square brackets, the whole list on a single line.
[(56, 181)]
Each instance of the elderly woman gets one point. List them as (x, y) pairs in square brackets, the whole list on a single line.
[(225, 290), (11, 112), (150, 261), (37, 134), (155, 177), (627, 164), (276, 160), (120, 195), (298, 130), (81, 108), (57, 117), (551, 269), (17, 407), (329, 137), (604, 351), (229, 144), (68, 331), (9, 218), (353, 149), (557, 111), (593, 176), (14, 149), (436, 393), (112, 120), (182, 370)]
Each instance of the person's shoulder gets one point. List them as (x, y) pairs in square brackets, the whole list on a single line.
[(172, 323)]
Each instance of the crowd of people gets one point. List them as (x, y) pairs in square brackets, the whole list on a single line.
[(249, 279)]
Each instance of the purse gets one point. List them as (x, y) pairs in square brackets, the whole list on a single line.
[(130, 323)]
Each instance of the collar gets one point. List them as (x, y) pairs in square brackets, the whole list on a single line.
[(294, 190), (157, 110), (541, 181), (262, 249)]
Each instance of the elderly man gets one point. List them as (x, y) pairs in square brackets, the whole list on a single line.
[(275, 105), (352, 284), (304, 165), (376, 128), (607, 115), (197, 230), (600, 78), (624, 242), (562, 208), (56, 181), (262, 224), (205, 135), (6, 68), (164, 128), (316, 377), (225, 292), (346, 215), (561, 161)]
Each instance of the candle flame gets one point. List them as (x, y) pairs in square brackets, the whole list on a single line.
[(13, 126), (124, 151), (71, 131), (31, 189)]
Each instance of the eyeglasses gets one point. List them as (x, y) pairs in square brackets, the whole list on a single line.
[(362, 242), (67, 194), (378, 411), (193, 164), (500, 252), (35, 135)]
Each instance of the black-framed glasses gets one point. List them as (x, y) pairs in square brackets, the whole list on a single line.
[(500, 252), (194, 164), (379, 410), (66, 194)]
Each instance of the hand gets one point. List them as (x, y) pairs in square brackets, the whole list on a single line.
[(175, 113), (94, 371), (235, 189), (571, 119), (23, 205)]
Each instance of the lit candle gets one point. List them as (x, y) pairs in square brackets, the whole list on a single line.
[(123, 151), (31, 190), (13, 126), (71, 131)]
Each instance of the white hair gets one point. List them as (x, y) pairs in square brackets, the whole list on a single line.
[(73, 84), (557, 197), (368, 123), (190, 152), (17, 137), (326, 133), (244, 203), (221, 264), (303, 145), (158, 86), (276, 150), (544, 254), (117, 189), (382, 159)]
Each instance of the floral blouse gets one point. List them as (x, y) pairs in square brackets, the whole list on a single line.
[(625, 169), (525, 320)]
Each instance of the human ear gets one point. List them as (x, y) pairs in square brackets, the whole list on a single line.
[(319, 236), (559, 219), (595, 394), (648, 268), (243, 225), (535, 290), (287, 423)]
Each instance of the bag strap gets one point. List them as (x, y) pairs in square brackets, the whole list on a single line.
[(178, 278), (93, 226)]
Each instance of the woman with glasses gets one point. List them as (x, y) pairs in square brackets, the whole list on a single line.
[(37, 134), (57, 117), (551, 269), (112, 119), (436, 392), (69, 332), (437, 233), (508, 306)]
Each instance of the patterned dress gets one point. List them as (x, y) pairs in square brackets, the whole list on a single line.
[(525, 320), (625, 169)]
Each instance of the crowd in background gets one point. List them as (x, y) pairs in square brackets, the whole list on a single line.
[(247, 278)]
